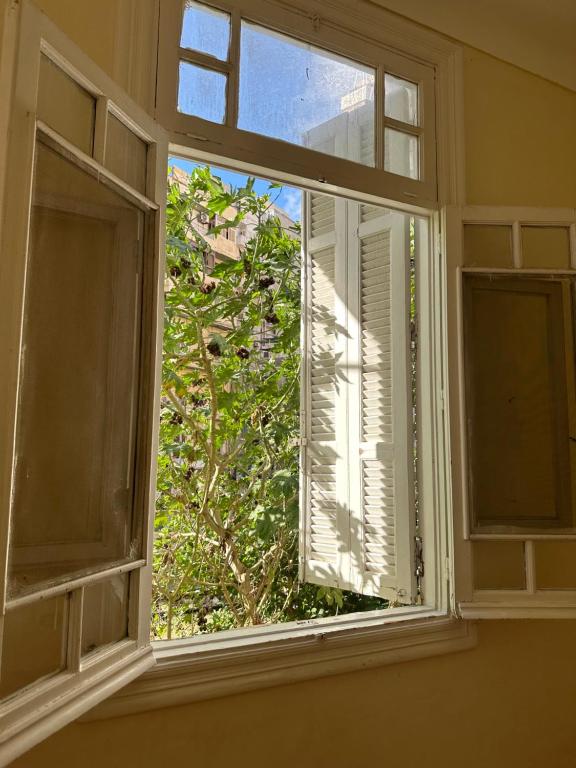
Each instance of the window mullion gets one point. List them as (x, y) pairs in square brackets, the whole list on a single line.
[(203, 60), (233, 92)]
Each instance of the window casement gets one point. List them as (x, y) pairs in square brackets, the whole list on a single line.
[(80, 308), (512, 284)]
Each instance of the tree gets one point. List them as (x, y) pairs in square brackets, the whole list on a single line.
[(226, 530)]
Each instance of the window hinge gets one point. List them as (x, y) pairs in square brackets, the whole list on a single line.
[(447, 568), (303, 442)]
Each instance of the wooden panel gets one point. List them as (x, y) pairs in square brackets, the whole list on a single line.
[(499, 565), (34, 643), (73, 490), (65, 106), (126, 154), (546, 247), (486, 245), (105, 612), (555, 564), (517, 401)]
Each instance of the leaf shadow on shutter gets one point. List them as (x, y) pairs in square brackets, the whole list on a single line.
[(357, 521)]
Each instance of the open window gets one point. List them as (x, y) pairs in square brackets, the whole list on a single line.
[(79, 311)]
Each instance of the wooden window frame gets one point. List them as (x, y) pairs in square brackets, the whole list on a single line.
[(474, 603), (373, 38), (39, 709)]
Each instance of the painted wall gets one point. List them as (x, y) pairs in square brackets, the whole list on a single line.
[(510, 701)]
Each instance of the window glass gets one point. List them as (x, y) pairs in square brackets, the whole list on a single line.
[(401, 153), (206, 30), (75, 447), (401, 100), (293, 91), (202, 92), (33, 644), (105, 612), (65, 106)]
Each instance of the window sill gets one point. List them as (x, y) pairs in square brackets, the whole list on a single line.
[(206, 668)]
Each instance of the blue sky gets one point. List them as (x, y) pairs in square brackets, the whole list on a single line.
[(288, 198)]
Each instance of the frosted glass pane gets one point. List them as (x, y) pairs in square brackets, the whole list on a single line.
[(202, 92), (105, 613), (401, 100), (546, 247), (65, 106), (487, 245), (401, 153), (73, 486), (205, 29), (292, 91), (33, 644), (126, 154)]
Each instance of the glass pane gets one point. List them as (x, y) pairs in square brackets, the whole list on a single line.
[(293, 91), (73, 488), (401, 153), (499, 565), (486, 245), (105, 613), (65, 106), (401, 100), (205, 29), (34, 643), (126, 154), (546, 247), (202, 92)]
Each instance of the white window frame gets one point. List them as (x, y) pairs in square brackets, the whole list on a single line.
[(494, 604), (43, 707), (211, 666)]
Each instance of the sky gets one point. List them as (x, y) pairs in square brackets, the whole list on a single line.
[(288, 198)]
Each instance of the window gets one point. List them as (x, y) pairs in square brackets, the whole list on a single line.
[(375, 109), (86, 169), (517, 474)]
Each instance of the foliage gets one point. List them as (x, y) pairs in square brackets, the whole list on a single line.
[(226, 530)]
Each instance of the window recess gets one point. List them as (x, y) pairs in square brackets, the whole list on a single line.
[(516, 287), (79, 309), (255, 79)]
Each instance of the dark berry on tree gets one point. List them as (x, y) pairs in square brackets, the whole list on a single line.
[(243, 353), (214, 348), (265, 281), (272, 318), (207, 287), (175, 271), (247, 266), (185, 264)]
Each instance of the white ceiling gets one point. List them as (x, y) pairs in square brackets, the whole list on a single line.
[(538, 35)]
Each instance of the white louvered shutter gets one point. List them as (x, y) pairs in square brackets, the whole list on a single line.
[(357, 460), (323, 458), (380, 439)]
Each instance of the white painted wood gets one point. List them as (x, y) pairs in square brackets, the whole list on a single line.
[(38, 710), (187, 672), (531, 602), (370, 45)]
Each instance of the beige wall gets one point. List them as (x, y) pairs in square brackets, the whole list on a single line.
[(509, 702)]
